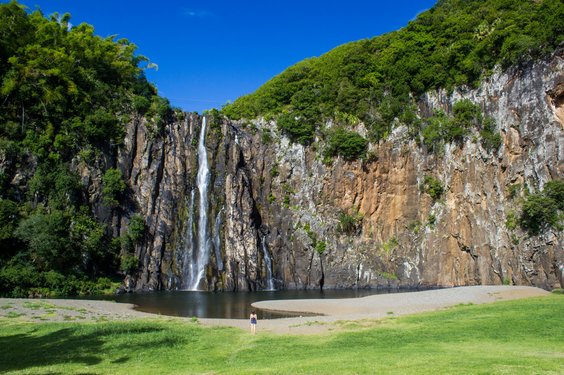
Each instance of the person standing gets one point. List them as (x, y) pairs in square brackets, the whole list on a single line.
[(253, 322)]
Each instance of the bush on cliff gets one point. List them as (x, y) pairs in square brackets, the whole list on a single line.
[(544, 209), (297, 128), (348, 144), (433, 187)]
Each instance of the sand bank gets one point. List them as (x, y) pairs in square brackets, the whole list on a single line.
[(329, 311)]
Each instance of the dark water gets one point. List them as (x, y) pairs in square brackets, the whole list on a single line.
[(227, 305)]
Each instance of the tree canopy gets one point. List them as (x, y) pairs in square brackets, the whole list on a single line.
[(456, 42), (65, 96)]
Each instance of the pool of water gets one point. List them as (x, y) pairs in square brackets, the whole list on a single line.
[(228, 305)]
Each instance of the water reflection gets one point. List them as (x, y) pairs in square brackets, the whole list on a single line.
[(227, 305)]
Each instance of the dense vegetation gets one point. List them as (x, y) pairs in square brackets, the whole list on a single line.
[(378, 80), (65, 95), (544, 209), (515, 337)]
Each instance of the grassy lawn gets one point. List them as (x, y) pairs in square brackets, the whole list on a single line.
[(515, 337)]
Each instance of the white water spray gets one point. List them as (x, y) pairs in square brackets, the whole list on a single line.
[(268, 263), (188, 258), (202, 182)]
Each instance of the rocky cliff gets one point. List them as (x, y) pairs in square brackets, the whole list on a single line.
[(276, 210)]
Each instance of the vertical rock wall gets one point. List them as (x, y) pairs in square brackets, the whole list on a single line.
[(265, 187)]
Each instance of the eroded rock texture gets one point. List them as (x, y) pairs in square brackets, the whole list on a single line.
[(268, 192)]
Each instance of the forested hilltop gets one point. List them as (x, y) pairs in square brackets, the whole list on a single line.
[(65, 95), (378, 81)]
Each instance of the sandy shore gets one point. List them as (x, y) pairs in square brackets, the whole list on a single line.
[(331, 311), (58, 310)]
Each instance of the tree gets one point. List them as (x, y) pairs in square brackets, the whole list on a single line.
[(113, 187), (88, 236), (544, 209), (298, 128), (47, 237), (63, 90), (9, 217), (348, 144)]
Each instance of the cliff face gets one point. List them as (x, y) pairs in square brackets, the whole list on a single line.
[(275, 210)]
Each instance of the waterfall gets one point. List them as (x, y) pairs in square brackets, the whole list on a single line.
[(217, 241), (268, 262), (202, 182), (188, 258)]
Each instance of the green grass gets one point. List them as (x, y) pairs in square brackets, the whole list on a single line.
[(515, 337), (13, 314), (38, 305)]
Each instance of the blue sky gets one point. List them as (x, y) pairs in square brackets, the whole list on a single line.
[(211, 52)]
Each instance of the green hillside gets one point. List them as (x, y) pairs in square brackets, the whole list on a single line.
[(378, 80), (65, 96)]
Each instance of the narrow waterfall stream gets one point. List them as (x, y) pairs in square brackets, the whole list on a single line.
[(202, 182), (217, 240), (268, 262), (189, 255)]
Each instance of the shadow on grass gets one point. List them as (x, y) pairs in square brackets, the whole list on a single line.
[(71, 345)]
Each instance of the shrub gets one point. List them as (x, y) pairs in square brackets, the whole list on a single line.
[(22, 281), (431, 220), (414, 226), (87, 235), (113, 187), (511, 221), (274, 172), (433, 187), (349, 223), (215, 119), (299, 129), (388, 275), (491, 140), (159, 113), (47, 237), (513, 190), (554, 190), (271, 198), (136, 228), (433, 131), (16, 278), (286, 200), (466, 114), (543, 209), (311, 234), (390, 245), (266, 137), (348, 144), (320, 247), (9, 216), (129, 263)]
